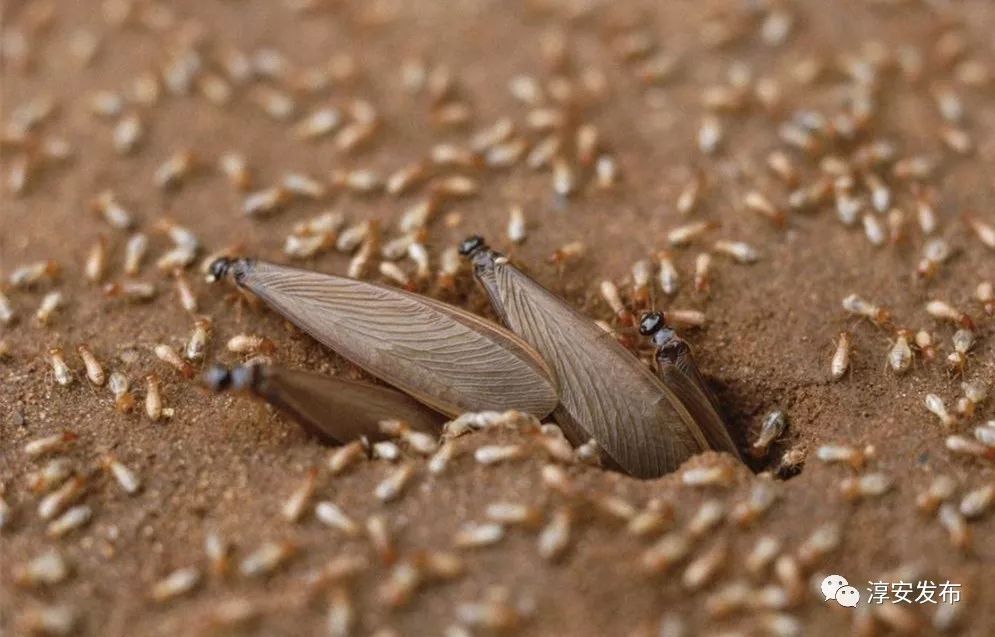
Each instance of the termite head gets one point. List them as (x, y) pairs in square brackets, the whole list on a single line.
[(219, 378), (654, 325), (221, 267), (470, 246)]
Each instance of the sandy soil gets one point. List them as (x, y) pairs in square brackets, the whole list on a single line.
[(227, 464)]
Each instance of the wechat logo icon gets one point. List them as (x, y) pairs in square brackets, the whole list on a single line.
[(835, 587)]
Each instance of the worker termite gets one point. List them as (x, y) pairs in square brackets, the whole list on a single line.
[(841, 454), (27, 276), (868, 485), (266, 201), (96, 261), (984, 293), (758, 202), (940, 490), (94, 370), (924, 343), (51, 475), (977, 502), (51, 302), (119, 385), (935, 252), (739, 251), (944, 311), (46, 569), (57, 501), (955, 525), (393, 485), (771, 429), (235, 168), (702, 267), (168, 355), (841, 357), (153, 398), (900, 354), (303, 186), (710, 134), (687, 233), (250, 344), (296, 503), (705, 567), (762, 497), (938, 408), (266, 558), (983, 230), (318, 123), (197, 344), (668, 277), (54, 443), (332, 515), (178, 583), (666, 552), (963, 341), (171, 173), (128, 133), (975, 393), (63, 375), (856, 305)]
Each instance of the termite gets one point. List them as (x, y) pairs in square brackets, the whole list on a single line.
[(333, 409), (900, 354), (432, 351), (646, 441), (677, 369)]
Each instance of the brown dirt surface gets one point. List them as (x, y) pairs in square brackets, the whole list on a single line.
[(227, 464)]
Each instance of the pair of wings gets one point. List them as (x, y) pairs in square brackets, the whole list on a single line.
[(646, 425), (443, 356)]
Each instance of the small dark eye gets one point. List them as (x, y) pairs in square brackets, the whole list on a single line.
[(470, 245), (650, 323)]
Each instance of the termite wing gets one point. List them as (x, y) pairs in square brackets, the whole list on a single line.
[(676, 367), (447, 358), (640, 422), (333, 409)]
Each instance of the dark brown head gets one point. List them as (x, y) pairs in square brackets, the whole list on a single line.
[(475, 249), (219, 378), (654, 325), (223, 267)]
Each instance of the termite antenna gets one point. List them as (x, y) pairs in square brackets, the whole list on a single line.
[(469, 246)]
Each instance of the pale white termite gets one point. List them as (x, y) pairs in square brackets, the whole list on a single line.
[(94, 370), (759, 203), (855, 304), (153, 398), (841, 357), (63, 375), (831, 454), (705, 567), (944, 311), (683, 235), (57, 620), (668, 277), (52, 474), (168, 355), (705, 476), (46, 445), (71, 520), (393, 485), (134, 252), (303, 186), (666, 552), (969, 447), (940, 490), (739, 251), (345, 456), (266, 201), (513, 513), (873, 230), (494, 454), (51, 302), (710, 134), (900, 354), (516, 224), (172, 172), (128, 133), (977, 502), (319, 123), (975, 393), (266, 558), (955, 525), (984, 293), (868, 485), (235, 168), (96, 261), (124, 476), (709, 515), (938, 408), (46, 569), (473, 534), (6, 310), (197, 344), (296, 503), (332, 515), (702, 268), (178, 583), (983, 230)]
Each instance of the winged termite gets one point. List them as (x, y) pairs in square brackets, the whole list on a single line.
[(641, 422), (675, 366), (444, 357), (334, 409)]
